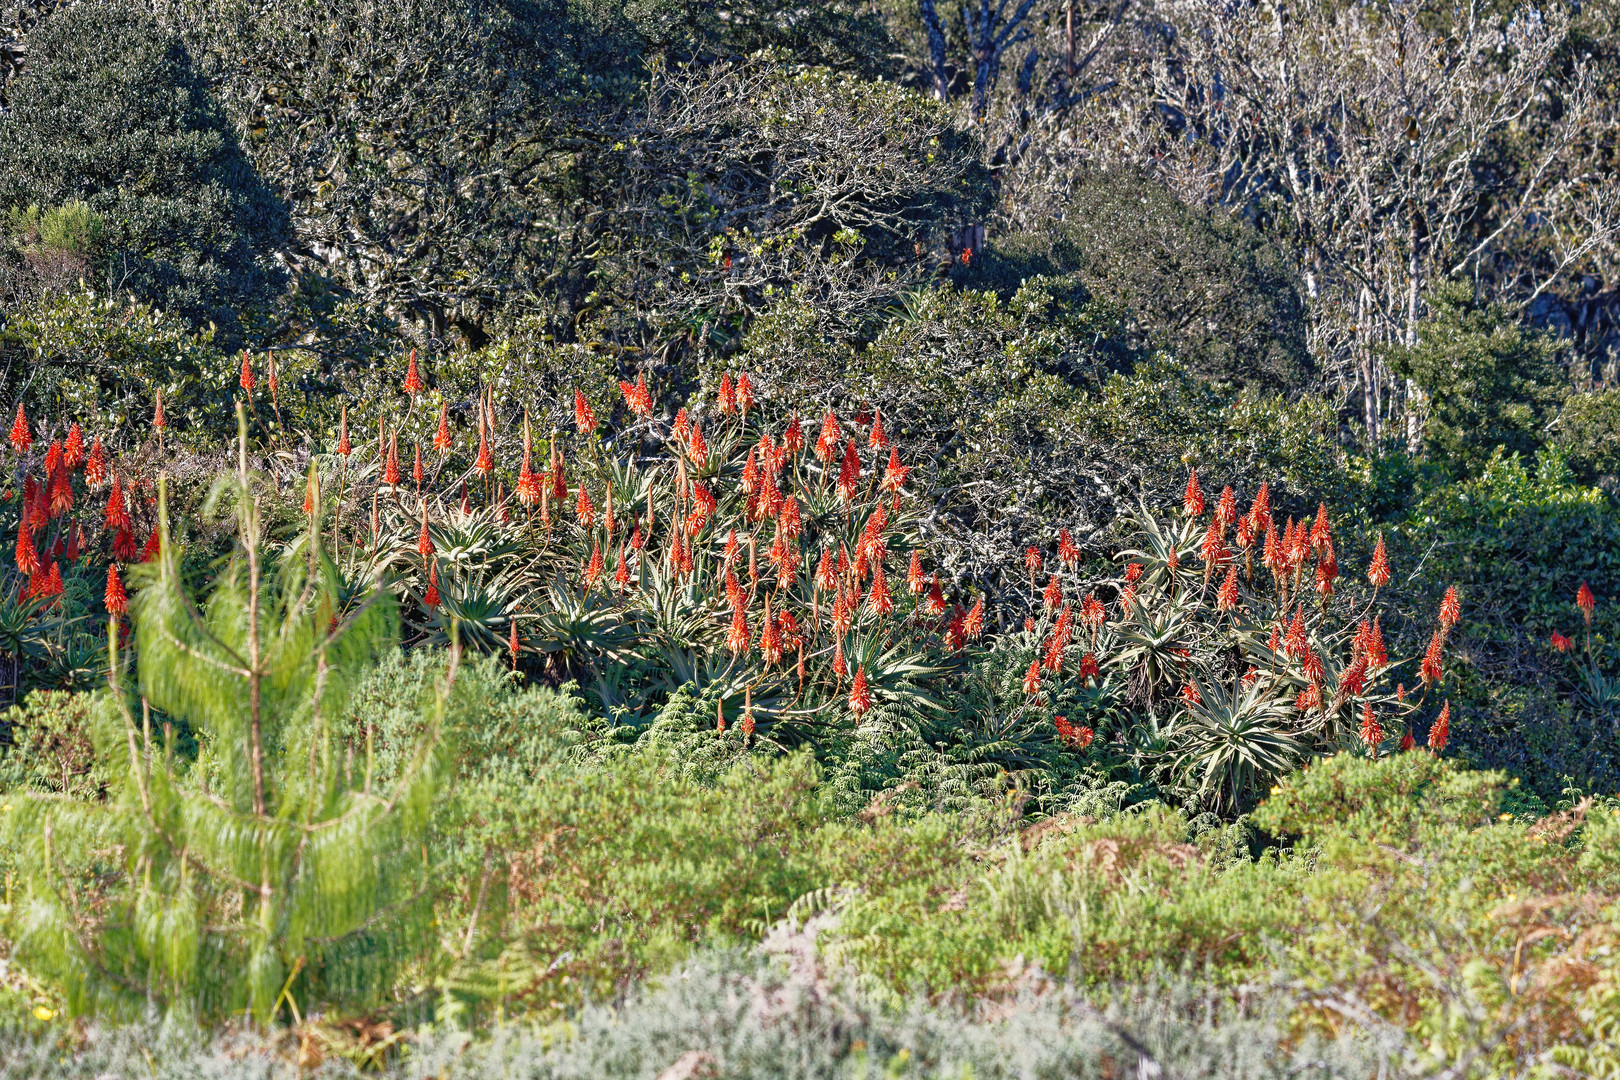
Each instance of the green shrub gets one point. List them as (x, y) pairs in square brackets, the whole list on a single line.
[(110, 113)]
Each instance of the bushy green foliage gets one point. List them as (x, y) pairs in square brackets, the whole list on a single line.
[(1200, 284), (111, 113), (1489, 381), (1588, 429)]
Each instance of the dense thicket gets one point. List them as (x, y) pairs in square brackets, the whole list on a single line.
[(1071, 523)]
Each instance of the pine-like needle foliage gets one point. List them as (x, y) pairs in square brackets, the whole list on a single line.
[(273, 871)]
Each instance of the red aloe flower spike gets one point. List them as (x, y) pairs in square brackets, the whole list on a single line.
[(344, 447), (95, 466), (53, 457), (935, 604), (416, 468), (1032, 678), (1133, 573), (1440, 733), (745, 393), (878, 440), (1226, 598), (486, 462), (584, 509), (1309, 698), (247, 381), (738, 639), (1190, 694), (116, 599), (27, 555), (1559, 641), (727, 395), (1450, 609), (391, 465), (117, 516), (21, 438), (595, 566), (860, 695), (1586, 602), (681, 429), (584, 418), (793, 437), (1430, 669), (1294, 642), (1407, 742), (154, 545), (1068, 550), (424, 541), (621, 576), (827, 442), (1053, 595), (770, 637), (1193, 503), (1226, 508), (894, 475), (914, 574), (441, 437), (973, 625), (826, 576), (413, 378), (849, 473), (270, 365), (73, 449), (1321, 534), (699, 450), (1372, 733), (1260, 512), (430, 599), (60, 492), (123, 545), (1032, 561), (1378, 573)]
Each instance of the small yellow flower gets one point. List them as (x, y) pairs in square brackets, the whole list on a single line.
[(1505, 817), (41, 1013)]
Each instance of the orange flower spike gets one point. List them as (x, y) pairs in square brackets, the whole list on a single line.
[(727, 395), (826, 444), (95, 466), (745, 394), (894, 475), (344, 447), (860, 695), (849, 473), (20, 438), (1053, 595), (73, 449), (1193, 502), (116, 599), (1260, 511), (391, 466), (915, 581), (27, 554), (1032, 560), (1226, 508), (935, 604), (594, 567), (1226, 598), (246, 379), (973, 625), (1321, 533), (424, 541), (53, 458), (1032, 678), (793, 437), (1586, 602), (878, 440), (441, 437), (1068, 551), (413, 377), (485, 464), (117, 516), (1378, 573), (699, 450), (1372, 733), (1450, 608), (621, 576), (1431, 670), (584, 509), (416, 467), (1440, 733), (584, 418), (430, 599)]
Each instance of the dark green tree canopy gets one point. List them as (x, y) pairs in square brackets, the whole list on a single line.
[(1490, 380)]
